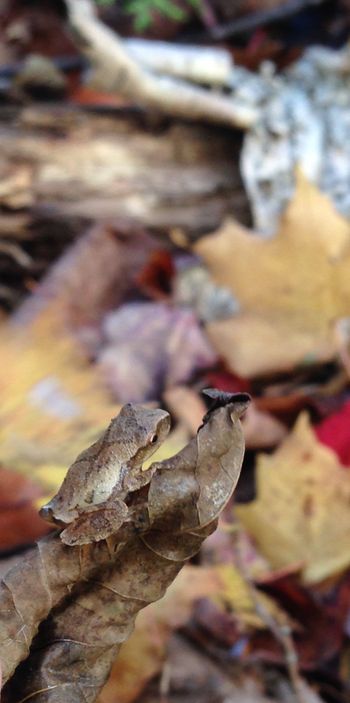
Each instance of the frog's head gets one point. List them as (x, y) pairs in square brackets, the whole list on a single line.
[(141, 431)]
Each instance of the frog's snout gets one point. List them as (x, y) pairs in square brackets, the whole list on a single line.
[(46, 513)]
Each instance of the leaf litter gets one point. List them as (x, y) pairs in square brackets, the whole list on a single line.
[(258, 316), (59, 399)]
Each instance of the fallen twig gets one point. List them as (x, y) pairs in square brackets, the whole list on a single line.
[(108, 52), (281, 632), (253, 21), (201, 64)]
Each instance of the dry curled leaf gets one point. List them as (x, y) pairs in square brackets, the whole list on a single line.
[(109, 583), (291, 288), (144, 653), (301, 512)]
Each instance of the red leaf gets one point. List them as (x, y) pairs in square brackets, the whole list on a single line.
[(334, 432), (19, 520), (226, 381), (156, 276), (319, 622)]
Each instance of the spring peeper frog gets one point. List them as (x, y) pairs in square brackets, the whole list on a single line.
[(91, 500)]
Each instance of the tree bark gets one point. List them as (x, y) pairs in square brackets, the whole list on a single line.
[(62, 162), (62, 168)]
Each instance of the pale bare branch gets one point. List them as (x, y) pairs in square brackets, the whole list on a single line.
[(172, 96)]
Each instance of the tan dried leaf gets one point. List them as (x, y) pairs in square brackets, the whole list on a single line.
[(301, 512), (77, 644), (291, 289), (261, 429)]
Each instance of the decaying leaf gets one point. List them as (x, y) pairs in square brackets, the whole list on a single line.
[(186, 406), (194, 676), (318, 621), (301, 513), (261, 429), (218, 549), (291, 289), (150, 346), (107, 257), (144, 653), (109, 583)]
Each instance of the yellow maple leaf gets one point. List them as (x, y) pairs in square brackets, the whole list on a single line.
[(235, 594), (291, 288), (301, 512), (53, 404)]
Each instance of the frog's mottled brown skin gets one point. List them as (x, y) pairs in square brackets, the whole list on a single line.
[(91, 500)]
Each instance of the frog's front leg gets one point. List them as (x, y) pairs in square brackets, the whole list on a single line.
[(96, 522)]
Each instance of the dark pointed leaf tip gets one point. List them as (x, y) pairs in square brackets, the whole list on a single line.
[(219, 399), (222, 398)]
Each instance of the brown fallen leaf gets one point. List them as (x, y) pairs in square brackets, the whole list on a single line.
[(186, 405), (301, 512), (192, 676), (261, 429), (103, 263), (218, 549), (144, 653), (291, 288), (77, 643)]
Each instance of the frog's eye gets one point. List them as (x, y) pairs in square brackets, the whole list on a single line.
[(153, 439)]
